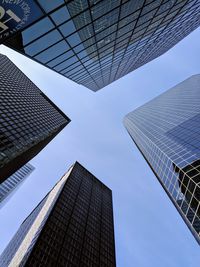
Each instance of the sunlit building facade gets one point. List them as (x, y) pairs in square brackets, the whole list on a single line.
[(11, 184), (166, 130), (95, 42), (29, 120), (71, 226)]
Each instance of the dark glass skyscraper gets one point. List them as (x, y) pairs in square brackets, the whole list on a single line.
[(28, 119), (8, 187), (71, 226), (95, 42), (166, 130)]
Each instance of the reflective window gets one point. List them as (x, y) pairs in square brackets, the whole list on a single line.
[(53, 52), (49, 5), (66, 64), (60, 59), (67, 28), (74, 39), (167, 131), (36, 30), (43, 42), (76, 6), (61, 15), (131, 32)]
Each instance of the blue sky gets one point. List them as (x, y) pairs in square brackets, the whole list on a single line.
[(149, 232)]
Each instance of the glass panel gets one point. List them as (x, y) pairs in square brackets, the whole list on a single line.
[(49, 5), (77, 6), (74, 39), (103, 7), (52, 52), (71, 66), (79, 48), (37, 30), (82, 19), (59, 59), (130, 7), (66, 64), (43, 43), (67, 28), (104, 22), (82, 54), (60, 15)]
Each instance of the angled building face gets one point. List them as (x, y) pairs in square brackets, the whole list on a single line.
[(97, 42), (28, 119), (72, 226), (166, 130), (10, 185)]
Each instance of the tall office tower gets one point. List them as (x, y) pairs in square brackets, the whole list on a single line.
[(8, 187), (95, 42), (166, 130), (28, 119), (71, 226)]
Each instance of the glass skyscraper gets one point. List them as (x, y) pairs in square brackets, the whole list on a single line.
[(95, 42), (71, 226), (28, 119), (166, 130), (10, 185)]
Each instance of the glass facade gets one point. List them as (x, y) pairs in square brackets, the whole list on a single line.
[(95, 42), (72, 226), (8, 187), (15, 15), (167, 132), (28, 119)]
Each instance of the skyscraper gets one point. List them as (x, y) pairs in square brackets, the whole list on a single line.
[(28, 119), (95, 42), (166, 130), (71, 226), (8, 187)]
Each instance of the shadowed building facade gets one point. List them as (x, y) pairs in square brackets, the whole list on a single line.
[(28, 119), (12, 183), (71, 226), (166, 130), (95, 42)]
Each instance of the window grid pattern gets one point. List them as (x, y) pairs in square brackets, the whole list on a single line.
[(11, 249), (27, 116), (96, 42), (13, 182), (167, 132), (21, 245), (79, 229)]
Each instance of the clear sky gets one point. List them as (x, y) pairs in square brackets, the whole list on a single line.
[(149, 232)]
